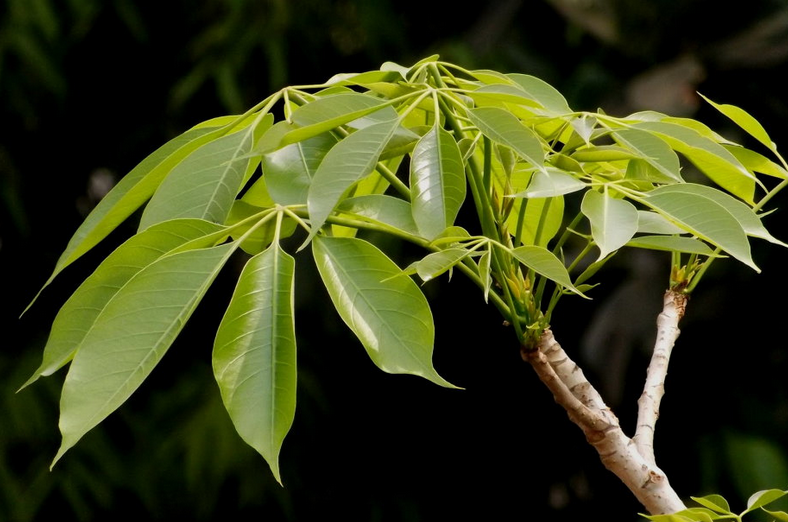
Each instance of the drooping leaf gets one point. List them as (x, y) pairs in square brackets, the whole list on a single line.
[(289, 170), (613, 221), (655, 151), (78, 314), (436, 263), (550, 183), (205, 184), (329, 112), (705, 218), (763, 498), (389, 314), (389, 210), (505, 128), (747, 218), (134, 189), (346, 163), (131, 335), (780, 516), (437, 182), (254, 355), (744, 120), (546, 264), (710, 157)]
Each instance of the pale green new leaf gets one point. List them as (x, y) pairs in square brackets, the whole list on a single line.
[(763, 498), (613, 221), (757, 162), (781, 516), (289, 170), (254, 355), (542, 92), (134, 189), (549, 183), (346, 163), (715, 503), (543, 218), (78, 314), (388, 313), (546, 264), (437, 182), (744, 120), (205, 184), (437, 263), (505, 128), (655, 151), (710, 157), (747, 218), (131, 335), (705, 218)]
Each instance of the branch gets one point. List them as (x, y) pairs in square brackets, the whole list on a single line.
[(673, 307), (587, 410)]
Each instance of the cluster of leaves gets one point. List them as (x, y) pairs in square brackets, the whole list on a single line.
[(715, 507), (395, 152)]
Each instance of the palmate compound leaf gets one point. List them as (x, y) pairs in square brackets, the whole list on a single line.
[(131, 335), (78, 315), (437, 181), (254, 355), (134, 189), (386, 311)]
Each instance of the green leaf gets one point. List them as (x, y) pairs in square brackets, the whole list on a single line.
[(747, 218), (710, 157), (781, 516), (262, 235), (254, 355), (600, 153), (77, 316), (672, 244), (545, 263), (329, 112), (388, 210), (437, 182), (437, 263), (131, 335), (549, 183), (505, 128), (205, 184), (346, 163), (388, 314), (500, 92), (134, 189), (655, 151), (542, 92), (705, 218), (543, 216), (763, 498), (289, 170), (744, 120), (653, 223), (757, 162), (613, 221), (715, 503)]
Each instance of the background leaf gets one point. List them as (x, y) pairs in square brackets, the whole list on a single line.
[(254, 356)]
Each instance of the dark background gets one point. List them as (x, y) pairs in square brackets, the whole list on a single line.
[(89, 87)]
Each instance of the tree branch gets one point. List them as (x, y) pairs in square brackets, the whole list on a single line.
[(585, 407), (673, 307)]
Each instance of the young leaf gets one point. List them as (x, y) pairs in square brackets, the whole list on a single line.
[(705, 218), (437, 182), (388, 314), (757, 162), (254, 355), (289, 170), (134, 189), (346, 163), (388, 210), (543, 216), (613, 221), (716, 503), (549, 183), (542, 92), (329, 112), (763, 498), (78, 315), (205, 184), (744, 120), (436, 263), (651, 149), (546, 264), (506, 129), (131, 335)]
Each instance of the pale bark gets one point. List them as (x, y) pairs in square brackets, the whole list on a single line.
[(630, 460)]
